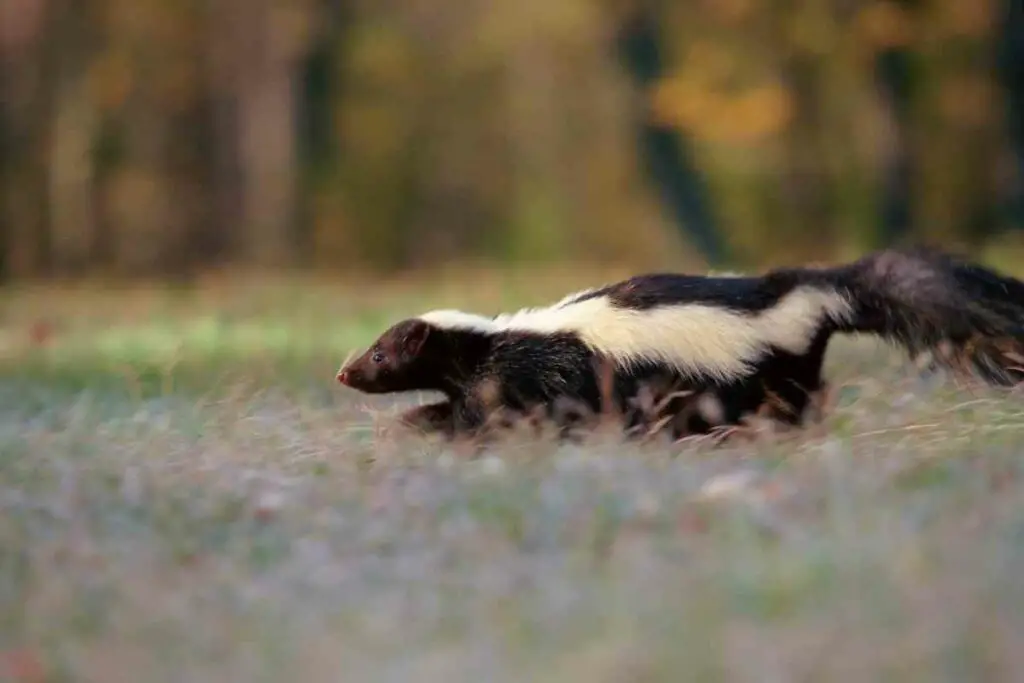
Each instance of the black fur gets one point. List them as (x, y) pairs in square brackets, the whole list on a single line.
[(918, 299), (921, 299), (740, 294)]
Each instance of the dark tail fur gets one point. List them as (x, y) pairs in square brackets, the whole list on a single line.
[(965, 315)]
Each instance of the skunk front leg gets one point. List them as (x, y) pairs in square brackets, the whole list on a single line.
[(433, 417)]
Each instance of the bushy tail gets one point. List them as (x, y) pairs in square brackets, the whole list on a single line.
[(968, 317)]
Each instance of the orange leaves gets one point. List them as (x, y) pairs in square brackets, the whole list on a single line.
[(750, 115), (967, 100), (680, 103), (109, 79), (972, 19), (763, 109), (731, 11), (696, 99), (885, 24)]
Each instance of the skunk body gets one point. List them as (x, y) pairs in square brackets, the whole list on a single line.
[(731, 345)]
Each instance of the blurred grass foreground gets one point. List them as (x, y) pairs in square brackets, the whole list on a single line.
[(187, 495)]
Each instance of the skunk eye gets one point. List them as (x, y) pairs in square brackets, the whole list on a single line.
[(377, 357)]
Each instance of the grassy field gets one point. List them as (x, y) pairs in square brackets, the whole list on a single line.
[(187, 495)]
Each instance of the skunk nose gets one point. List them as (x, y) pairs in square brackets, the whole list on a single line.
[(343, 376)]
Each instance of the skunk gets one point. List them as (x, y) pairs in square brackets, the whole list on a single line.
[(733, 345)]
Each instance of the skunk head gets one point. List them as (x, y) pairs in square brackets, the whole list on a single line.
[(399, 360), (419, 354)]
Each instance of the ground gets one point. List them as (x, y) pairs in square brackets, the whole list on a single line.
[(187, 495)]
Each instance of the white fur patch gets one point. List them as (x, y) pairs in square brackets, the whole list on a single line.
[(459, 320), (697, 339)]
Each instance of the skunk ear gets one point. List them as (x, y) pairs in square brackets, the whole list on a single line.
[(414, 336)]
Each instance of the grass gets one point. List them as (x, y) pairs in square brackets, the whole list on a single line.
[(186, 495)]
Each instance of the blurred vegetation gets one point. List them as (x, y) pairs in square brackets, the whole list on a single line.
[(171, 136)]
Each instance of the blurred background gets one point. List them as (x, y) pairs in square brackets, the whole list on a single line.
[(176, 137)]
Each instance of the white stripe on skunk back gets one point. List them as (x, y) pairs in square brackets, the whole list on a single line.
[(699, 340)]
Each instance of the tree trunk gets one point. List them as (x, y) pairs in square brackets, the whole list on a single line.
[(28, 59), (663, 150)]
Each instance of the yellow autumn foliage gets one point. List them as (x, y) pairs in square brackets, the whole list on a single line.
[(481, 126), (748, 116), (110, 78), (884, 24)]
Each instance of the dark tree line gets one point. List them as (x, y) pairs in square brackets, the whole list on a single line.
[(180, 136)]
